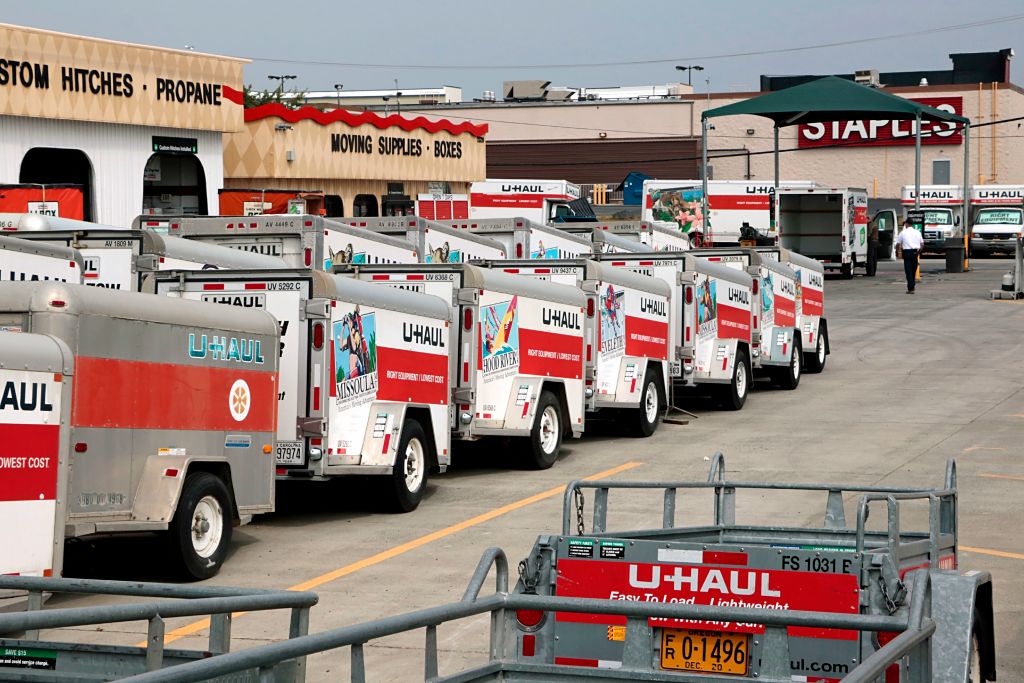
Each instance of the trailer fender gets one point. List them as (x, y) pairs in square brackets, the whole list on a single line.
[(961, 601), (162, 478), (434, 423), (557, 387)]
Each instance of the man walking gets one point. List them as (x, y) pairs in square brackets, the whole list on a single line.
[(872, 267), (908, 244)]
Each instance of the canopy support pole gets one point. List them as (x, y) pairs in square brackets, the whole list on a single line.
[(772, 220), (917, 161), (967, 196), (705, 222)]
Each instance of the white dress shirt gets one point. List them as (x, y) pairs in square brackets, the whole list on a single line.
[(909, 238)]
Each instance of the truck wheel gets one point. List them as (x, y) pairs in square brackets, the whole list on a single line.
[(735, 393), (546, 436), (815, 362), (200, 532), (789, 376), (409, 473), (646, 417), (847, 269)]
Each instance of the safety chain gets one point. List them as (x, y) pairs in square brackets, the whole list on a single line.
[(893, 603), (529, 582), (577, 496)]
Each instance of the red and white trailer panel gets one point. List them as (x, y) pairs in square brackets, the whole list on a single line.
[(523, 238), (22, 260), (653, 236), (520, 366), (435, 242), (810, 305)]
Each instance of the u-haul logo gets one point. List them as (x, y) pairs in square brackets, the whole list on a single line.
[(815, 280), (239, 300), (703, 580), (652, 306), (563, 319), (787, 287), (427, 335), (25, 397), (228, 349), (739, 296)]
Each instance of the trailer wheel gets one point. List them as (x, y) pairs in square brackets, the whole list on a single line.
[(789, 376), (646, 417), (546, 436), (409, 473), (814, 362), (200, 532), (735, 393)]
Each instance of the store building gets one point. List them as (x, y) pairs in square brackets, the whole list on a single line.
[(138, 128), (365, 163)]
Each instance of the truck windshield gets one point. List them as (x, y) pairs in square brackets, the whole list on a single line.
[(938, 217), (999, 216)]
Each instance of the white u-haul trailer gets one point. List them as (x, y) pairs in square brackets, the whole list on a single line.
[(711, 321), (120, 259), (138, 451), (523, 238), (810, 305), (435, 242), (604, 242), (825, 223), (652, 236), (777, 344), (627, 336), (519, 367), (364, 373), (22, 260), (303, 241)]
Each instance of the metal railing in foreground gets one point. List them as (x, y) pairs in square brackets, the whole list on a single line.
[(219, 603), (911, 648)]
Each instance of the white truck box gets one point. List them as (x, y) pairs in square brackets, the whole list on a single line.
[(825, 223), (364, 373), (536, 200), (24, 260), (520, 365), (996, 220), (303, 241), (435, 242), (523, 238)]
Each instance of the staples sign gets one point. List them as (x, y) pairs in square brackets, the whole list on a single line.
[(885, 133)]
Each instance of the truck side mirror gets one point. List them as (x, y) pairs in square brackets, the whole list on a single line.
[(956, 221)]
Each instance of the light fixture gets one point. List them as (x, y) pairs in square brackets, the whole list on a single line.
[(750, 131)]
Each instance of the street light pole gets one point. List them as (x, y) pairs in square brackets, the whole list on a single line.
[(689, 69), (337, 89)]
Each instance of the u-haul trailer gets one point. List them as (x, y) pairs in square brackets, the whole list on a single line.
[(776, 345), (627, 336), (602, 242), (653, 236), (303, 241), (711, 320), (25, 222), (523, 238), (825, 223), (364, 372), (943, 207), (435, 242), (23, 260), (142, 453), (518, 351), (121, 259), (810, 305)]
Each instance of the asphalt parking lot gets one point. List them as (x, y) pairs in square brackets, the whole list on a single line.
[(912, 381)]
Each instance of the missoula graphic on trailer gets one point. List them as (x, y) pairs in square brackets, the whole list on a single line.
[(346, 255), (443, 254), (613, 321), (355, 357), (707, 308), (499, 343), (542, 252)]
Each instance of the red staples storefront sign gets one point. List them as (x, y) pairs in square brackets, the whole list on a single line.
[(885, 133)]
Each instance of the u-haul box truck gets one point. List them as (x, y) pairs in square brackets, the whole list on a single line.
[(120, 259), (364, 373), (523, 238), (627, 336), (776, 348), (143, 454), (519, 365), (711, 320), (540, 201), (996, 221), (810, 305), (23, 260), (303, 241), (652, 236), (435, 242), (825, 223), (943, 213)]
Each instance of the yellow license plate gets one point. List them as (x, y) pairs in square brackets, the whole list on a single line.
[(709, 651)]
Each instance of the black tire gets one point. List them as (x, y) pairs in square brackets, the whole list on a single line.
[(409, 474), (847, 269), (734, 394), (545, 440), (814, 362), (789, 377), (647, 415), (200, 532)]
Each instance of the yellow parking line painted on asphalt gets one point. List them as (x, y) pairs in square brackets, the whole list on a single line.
[(390, 553), (994, 553), (1000, 476)]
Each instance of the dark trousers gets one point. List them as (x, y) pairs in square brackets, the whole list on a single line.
[(872, 267), (910, 267)]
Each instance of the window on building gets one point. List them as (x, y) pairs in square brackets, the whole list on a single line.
[(174, 184), (49, 166), (940, 172), (365, 205), (333, 205)]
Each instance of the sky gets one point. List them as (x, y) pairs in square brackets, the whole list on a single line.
[(478, 45)]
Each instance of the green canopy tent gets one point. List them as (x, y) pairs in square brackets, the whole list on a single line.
[(836, 99)]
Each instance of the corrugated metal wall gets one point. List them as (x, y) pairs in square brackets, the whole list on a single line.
[(118, 154), (594, 161)]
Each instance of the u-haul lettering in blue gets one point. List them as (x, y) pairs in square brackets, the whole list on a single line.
[(229, 349)]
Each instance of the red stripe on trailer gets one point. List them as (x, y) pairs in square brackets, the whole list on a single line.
[(415, 277), (549, 354), (733, 322), (576, 661), (813, 301), (785, 312), (511, 270), (722, 557), (381, 277), (526, 408), (646, 263), (334, 385), (316, 398), (541, 271), (411, 376), (90, 276), (632, 385), (387, 442), (122, 394), (213, 286), (725, 362), (255, 285), (35, 449), (646, 338)]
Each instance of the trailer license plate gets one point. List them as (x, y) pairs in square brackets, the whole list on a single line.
[(710, 651), (289, 452)]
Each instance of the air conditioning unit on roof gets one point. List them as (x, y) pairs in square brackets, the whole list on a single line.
[(867, 77)]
